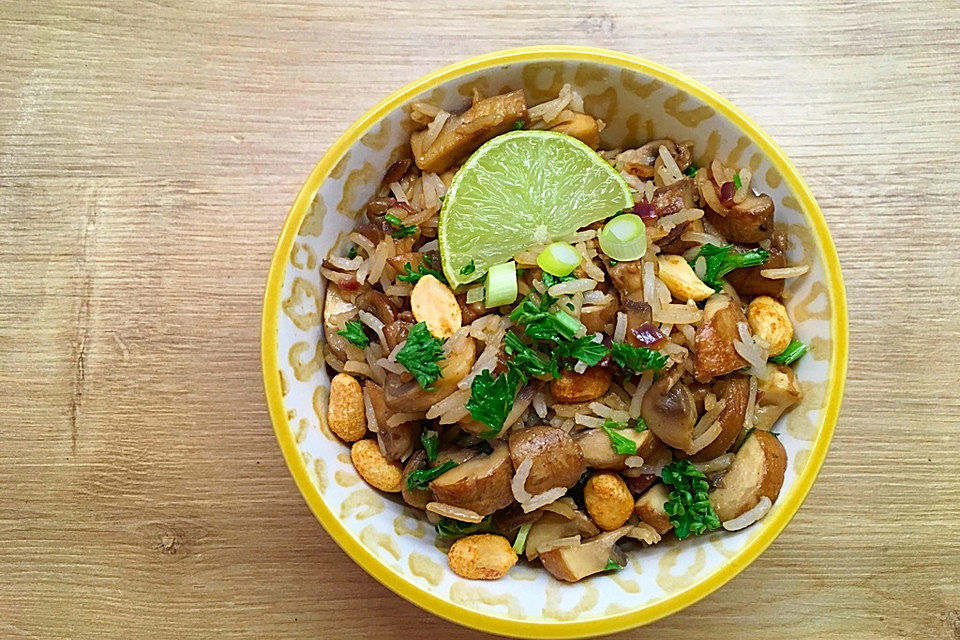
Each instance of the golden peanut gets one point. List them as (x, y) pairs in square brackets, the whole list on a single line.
[(580, 387), (608, 500), (681, 280), (373, 467), (481, 557), (432, 302), (345, 412), (769, 321)]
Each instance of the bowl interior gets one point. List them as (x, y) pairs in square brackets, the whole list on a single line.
[(392, 541)]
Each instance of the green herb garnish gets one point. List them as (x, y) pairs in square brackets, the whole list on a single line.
[(468, 269), (722, 260), (640, 424), (491, 399), (613, 566), (791, 354), (688, 505), (419, 479), (521, 540), (420, 354), (527, 359), (584, 349), (737, 184), (352, 251), (518, 125), (450, 528), (413, 277), (637, 359), (400, 230), (691, 171), (431, 443), (621, 444), (354, 333)]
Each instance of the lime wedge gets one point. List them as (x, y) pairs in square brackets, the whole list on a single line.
[(519, 189)]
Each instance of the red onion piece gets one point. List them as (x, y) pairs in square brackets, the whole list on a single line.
[(727, 189), (648, 335), (641, 483), (646, 211)]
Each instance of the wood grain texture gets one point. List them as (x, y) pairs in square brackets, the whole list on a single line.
[(149, 151)]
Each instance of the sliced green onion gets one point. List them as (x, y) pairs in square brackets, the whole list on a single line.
[(475, 294), (521, 540), (501, 284), (736, 181), (791, 354), (559, 259), (567, 325), (624, 237)]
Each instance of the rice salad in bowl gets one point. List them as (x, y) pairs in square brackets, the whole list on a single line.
[(555, 348)]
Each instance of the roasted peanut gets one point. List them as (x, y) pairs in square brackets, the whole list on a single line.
[(608, 500), (583, 127), (580, 387), (373, 467), (481, 557), (345, 413), (433, 302), (769, 321), (681, 280)]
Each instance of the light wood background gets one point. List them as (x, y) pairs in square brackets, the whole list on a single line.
[(149, 151)]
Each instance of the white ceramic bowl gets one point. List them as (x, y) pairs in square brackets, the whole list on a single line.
[(639, 100)]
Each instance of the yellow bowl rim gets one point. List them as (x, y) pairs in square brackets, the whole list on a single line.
[(546, 629)]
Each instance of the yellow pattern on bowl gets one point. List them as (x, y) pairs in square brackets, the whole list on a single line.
[(639, 100)]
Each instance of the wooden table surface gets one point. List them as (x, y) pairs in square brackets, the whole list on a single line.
[(149, 151)]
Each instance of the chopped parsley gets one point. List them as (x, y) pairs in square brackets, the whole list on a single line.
[(636, 359), (431, 443), (413, 277), (544, 325), (491, 399), (468, 269), (622, 445), (518, 125), (691, 171), (688, 505), (640, 424), (450, 528), (352, 251), (791, 354), (400, 230), (722, 260), (420, 355), (613, 566), (419, 479), (354, 333), (527, 359), (583, 349), (737, 184)]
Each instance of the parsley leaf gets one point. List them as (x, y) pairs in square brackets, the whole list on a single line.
[(544, 325), (518, 125), (420, 354), (688, 505), (528, 360), (691, 171), (468, 269), (353, 331), (736, 181), (450, 528), (431, 443), (722, 260), (420, 478), (640, 424), (613, 566), (622, 445), (583, 349), (492, 398), (400, 230), (352, 251), (791, 354), (636, 359), (413, 277), (549, 279)]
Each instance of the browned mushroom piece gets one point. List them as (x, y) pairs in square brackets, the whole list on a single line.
[(673, 242), (714, 353), (638, 314), (454, 453), (734, 391), (639, 484), (640, 161), (598, 318), (757, 471), (670, 410), (748, 282), (575, 562), (398, 441), (650, 508), (557, 460), (399, 261), (672, 198), (552, 526), (396, 332), (509, 519), (409, 396), (396, 171), (749, 221), (417, 498), (377, 207), (777, 391), (472, 311), (627, 276), (573, 387), (481, 484), (336, 303), (378, 304), (598, 451), (462, 134)]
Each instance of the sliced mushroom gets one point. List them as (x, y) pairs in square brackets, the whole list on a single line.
[(557, 458), (550, 527), (734, 391), (337, 302), (472, 311), (416, 498), (682, 194), (455, 454), (508, 520), (640, 161), (481, 484), (573, 387), (462, 134), (748, 282), (582, 127), (638, 314), (598, 318), (674, 244), (598, 451), (378, 304), (410, 396), (586, 558), (749, 221), (777, 391), (714, 353), (396, 442), (756, 471), (649, 507), (670, 410), (396, 332), (627, 276)]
